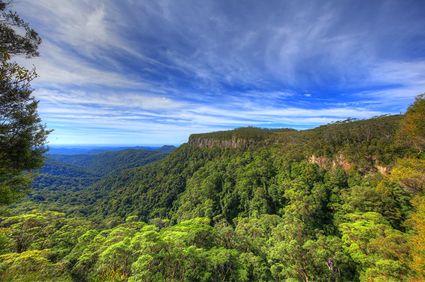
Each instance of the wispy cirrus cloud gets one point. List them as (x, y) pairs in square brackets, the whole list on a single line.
[(160, 70), (162, 117)]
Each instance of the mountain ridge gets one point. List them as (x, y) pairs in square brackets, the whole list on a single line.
[(153, 190)]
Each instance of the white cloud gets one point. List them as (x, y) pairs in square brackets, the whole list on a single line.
[(111, 100), (130, 112), (178, 67)]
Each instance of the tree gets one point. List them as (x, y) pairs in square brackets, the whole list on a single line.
[(410, 173), (412, 129), (22, 135), (379, 251), (416, 239)]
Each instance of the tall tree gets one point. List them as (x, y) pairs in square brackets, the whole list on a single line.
[(412, 129), (22, 135)]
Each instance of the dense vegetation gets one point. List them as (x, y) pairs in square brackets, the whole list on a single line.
[(232, 175), (64, 175), (106, 162), (342, 202)]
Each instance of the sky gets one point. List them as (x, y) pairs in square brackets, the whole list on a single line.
[(154, 72)]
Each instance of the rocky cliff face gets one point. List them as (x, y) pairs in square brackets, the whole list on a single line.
[(322, 162), (231, 139), (342, 162), (327, 163), (232, 143), (385, 170)]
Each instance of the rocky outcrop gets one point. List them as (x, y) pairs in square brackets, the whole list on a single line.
[(342, 162), (385, 170), (231, 139), (322, 162), (327, 163), (232, 143)]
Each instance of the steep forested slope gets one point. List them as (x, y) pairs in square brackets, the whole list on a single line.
[(107, 162), (55, 175), (342, 202), (63, 176), (237, 170)]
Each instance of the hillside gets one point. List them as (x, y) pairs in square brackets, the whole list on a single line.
[(63, 175), (364, 146), (105, 162), (341, 202)]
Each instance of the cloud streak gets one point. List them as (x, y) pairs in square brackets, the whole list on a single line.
[(161, 70)]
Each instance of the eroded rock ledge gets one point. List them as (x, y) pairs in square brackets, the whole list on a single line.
[(341, 161), (232, 143)]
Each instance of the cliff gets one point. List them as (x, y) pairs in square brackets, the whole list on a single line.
[(237, 138), (232, 143)]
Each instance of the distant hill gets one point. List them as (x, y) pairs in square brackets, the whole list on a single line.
[(91, 149), (157, 190), (68, 173), (340, 202), (106, 162)]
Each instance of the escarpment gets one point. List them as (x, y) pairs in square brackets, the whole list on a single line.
[(232, 143), (342, 161), (233, 139)]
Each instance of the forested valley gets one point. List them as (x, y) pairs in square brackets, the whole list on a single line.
[(341, 202)]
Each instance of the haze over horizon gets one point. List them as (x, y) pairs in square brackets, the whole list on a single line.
[(154, 72)]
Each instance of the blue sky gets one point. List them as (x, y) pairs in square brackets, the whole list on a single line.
[(153, 72)]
